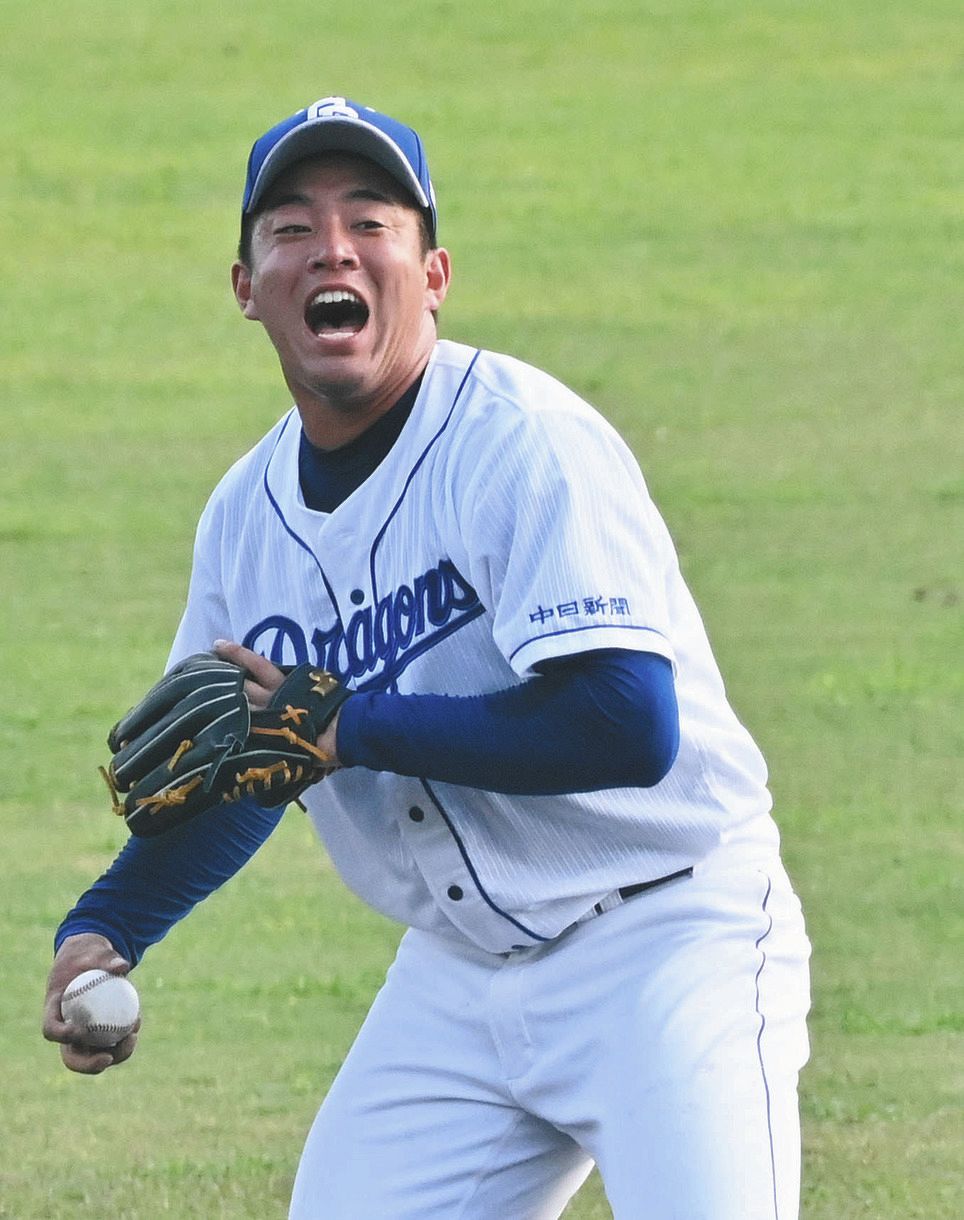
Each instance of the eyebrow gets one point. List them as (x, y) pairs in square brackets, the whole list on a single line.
[(361, 193)]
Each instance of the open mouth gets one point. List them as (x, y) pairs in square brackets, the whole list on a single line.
[(336, 312)]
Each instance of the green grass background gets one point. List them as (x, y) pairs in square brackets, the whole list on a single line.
[(736, 228)]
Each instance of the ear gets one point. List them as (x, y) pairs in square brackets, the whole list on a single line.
[(241, 283), (438, 276)]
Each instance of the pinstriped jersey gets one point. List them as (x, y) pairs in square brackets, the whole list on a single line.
[(508, 525)]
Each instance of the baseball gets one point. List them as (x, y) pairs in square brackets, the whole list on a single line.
[(102, 1007)]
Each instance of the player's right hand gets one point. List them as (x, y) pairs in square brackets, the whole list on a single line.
[(85, 951)]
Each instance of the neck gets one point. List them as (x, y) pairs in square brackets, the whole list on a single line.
[(331, 422), (334, 413), (334, 417)]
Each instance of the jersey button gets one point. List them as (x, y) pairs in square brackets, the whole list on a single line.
[(455, 892), (416, 814)]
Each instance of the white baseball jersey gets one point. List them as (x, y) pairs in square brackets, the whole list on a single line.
[(508, 525)]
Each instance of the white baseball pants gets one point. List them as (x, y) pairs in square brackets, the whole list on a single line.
[(661, 1040)]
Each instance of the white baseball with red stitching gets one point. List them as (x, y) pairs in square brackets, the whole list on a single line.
[(102, 1007)]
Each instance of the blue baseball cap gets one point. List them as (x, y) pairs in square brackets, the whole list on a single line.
[(335, 124)]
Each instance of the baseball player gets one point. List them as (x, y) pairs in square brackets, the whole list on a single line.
[(533, 764)]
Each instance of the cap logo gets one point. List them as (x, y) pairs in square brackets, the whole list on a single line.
[(331, 108)]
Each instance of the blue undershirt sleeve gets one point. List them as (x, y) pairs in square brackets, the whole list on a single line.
[(604, 719), (155, 882)]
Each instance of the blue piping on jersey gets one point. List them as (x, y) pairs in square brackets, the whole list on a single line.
[(281, 517), (546, 635), (472, 873), (424, 454), (759, 1045)]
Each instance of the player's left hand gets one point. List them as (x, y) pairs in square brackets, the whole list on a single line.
[(263, 678), (212, 731)]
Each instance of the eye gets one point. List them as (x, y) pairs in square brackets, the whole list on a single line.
[(369, 224), (291, 227)]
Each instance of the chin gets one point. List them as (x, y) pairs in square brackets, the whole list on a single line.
[(340, 389)]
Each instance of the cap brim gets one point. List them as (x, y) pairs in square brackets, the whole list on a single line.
[(336, 135)]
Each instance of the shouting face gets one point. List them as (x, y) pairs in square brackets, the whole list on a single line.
[(342, 282)]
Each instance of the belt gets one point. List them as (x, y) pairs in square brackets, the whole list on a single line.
[(630, 891), (618, 897)]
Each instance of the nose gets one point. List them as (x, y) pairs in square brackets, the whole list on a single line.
[(332, 248)]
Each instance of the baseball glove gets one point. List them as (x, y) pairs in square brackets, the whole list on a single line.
[(194, 742)]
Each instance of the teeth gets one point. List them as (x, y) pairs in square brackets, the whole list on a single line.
[(334, 297)]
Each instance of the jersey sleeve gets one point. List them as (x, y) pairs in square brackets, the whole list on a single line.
[(562, 540)]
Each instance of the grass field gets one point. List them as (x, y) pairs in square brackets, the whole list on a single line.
[(736, 228)]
